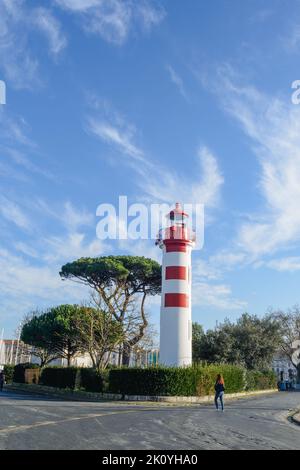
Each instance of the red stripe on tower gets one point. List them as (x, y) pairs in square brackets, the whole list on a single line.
[(176, 272), (175, 246), (176, 300)]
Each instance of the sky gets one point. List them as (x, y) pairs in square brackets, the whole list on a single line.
[(161, 101)]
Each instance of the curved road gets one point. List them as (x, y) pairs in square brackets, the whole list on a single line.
[(31, 422)]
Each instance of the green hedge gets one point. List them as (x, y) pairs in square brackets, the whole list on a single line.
[(8, 370), (19, 371), (75, 378), (197, 380), (172, 381), (61, 377), (256, 380), (94, 381)]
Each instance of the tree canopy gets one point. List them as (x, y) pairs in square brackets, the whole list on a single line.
[(289, 324), (55, 331), (197, 335), (123, 283), (251, 341), (99, 334), (35, 334), (138, 273)]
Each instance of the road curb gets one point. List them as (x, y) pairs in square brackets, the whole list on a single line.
[(296, 418), (78, 395)]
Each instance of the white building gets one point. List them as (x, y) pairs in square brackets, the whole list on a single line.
[(283, 368), (13, 351)]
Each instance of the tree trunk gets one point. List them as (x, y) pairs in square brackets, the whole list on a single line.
[(120, 356), (94, 361), (126, 354), (141, 331), (298, 373)]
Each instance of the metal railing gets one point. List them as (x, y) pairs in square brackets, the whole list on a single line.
[(176, 232)]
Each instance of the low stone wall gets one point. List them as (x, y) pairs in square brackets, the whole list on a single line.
[(204, 399), (61, 392), (79, 395)]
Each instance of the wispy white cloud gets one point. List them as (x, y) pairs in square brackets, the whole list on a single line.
[(30, 267), (203, 186), (18, 22), (261, 16), (290, 38), (157, 182), (226, 259), (177, 80), (215, 295), (149, 13), (22, 282), (19, 154), (20, 160), (204, 270), (73, 240), (215, 266), (274, 127), (50, 26), (74, 218), (17, 63), (78, 5), (113, 20), (109, 125), (70, 217), (70, 247), (121, 138), (14, 129), (208, 284), (10, 172), (13, 213), (291, 263), (26, 249)]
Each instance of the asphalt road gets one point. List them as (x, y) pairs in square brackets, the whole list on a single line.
[(31, 422)]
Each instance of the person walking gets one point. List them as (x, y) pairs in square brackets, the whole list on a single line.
[(2, 380), (219, 389)]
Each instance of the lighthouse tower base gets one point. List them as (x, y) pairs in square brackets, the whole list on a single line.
[(175, 310), (175, 337)]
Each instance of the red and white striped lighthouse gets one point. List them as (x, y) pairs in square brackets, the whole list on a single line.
[(176, 242)]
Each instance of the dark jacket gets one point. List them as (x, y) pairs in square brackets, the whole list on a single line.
[(219, 387)]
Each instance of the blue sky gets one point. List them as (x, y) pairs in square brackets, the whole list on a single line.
[(160, 101)]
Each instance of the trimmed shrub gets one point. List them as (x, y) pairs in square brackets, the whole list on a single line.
[(85, 378), (8, 372), (61, 377), (172, 381), (257, 380), (94, 381), (19, 371)]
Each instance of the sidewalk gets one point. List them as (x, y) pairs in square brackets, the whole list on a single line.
[(78, 395)]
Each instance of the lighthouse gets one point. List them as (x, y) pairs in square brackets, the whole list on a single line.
[(176, 242)]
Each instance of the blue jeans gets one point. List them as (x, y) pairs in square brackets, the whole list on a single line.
[(220, 396)]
